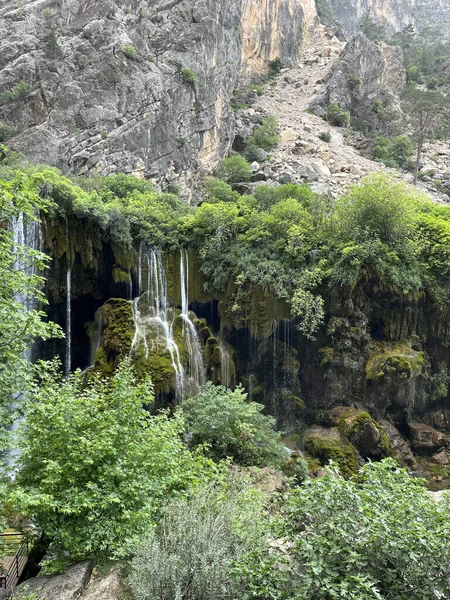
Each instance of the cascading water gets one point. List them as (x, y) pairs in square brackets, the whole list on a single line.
[(195, 369), (28, 234), (225, 365), (68, 361), (154, 319)]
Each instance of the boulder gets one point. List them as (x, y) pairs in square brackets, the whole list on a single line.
[(426, 439), (327, 444), (288, 135), (66, 586), (400, 449), (107, 587), (321, 169), (364, 434), (307, 172)]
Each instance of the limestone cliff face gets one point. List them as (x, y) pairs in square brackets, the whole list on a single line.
[(394, 15), (106, 90), (366, 80)]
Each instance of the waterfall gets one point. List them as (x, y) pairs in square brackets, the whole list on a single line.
[(195, 368), (156, 321), (225, 365), (29, 234), (68, 359)]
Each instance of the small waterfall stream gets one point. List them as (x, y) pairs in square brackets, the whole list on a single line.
[(29, 234), (68, 360), (154, 318), (195, 369)]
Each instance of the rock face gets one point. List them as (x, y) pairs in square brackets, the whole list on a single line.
[(425, 439), (67, 586), (392, 15), (142, 88), (366, 81)]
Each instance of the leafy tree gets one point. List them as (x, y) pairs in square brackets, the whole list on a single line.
[(191, 552), (234, 169), (232, 426), (336, 115), (20, 289), (94, 465), (425, 110), (393, 152), (377, 536)]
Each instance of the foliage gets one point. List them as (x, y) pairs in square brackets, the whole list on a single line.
[(94, 466), (374, 233), (266, 135), (335, 115), (275, 66), (325, 136), (20, 289), (7, 132), (188, 75), (234, 169), (191, 552), (20, 91), (130, 51), (232, 426), (376, 536), (393, 152)]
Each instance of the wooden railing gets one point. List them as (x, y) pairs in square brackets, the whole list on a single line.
[(16, 546)]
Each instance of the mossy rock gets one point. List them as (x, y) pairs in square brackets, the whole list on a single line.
[(254, 308), (365, 434), (395, 359), (327, 444), (120, 276), (117, 330)]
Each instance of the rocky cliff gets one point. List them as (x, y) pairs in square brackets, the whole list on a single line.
[(133, 87), (144, 87)]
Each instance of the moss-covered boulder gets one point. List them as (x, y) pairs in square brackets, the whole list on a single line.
[(115, 320), (396, 360), (400, 449), (327, 444), (365, 434), (425, 439)]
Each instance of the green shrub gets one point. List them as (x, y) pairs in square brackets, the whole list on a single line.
[(130, 51), (232, 426), (393, 152), (256, 88), (377, 536), (18, 92), (82, 486), (335, 115), (266, 135), (7, 132), (234, 169), (325, 136), (219, 191), (191, 552), (188, 76), (354, 82), (275, 66)]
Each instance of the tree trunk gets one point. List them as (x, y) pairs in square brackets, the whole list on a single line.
[(419, 152)]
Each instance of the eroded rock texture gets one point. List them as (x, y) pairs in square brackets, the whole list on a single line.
[(140, 87)]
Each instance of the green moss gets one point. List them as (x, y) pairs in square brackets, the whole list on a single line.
[(116, 334), (330, 448), (326, 355), (254, 307), (120, 276), (354, 425), (394, 359)]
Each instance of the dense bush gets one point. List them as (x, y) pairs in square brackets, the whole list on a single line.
[(94, 466), (393, 152), (232, 426), (188, 75), (234, 169), (190, 554), (335, 115), (266, 135), (378, 535)]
